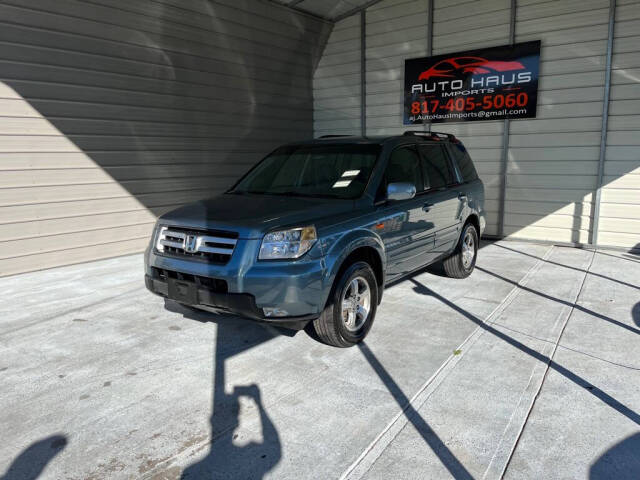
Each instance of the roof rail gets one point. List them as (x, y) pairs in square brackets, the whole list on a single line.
[(436, 135), (333, 136)]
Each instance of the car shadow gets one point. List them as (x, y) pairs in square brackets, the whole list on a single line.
[(230, 455), (227, 456)]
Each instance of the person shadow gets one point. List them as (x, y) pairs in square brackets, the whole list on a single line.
[(33, 460), (238, 416)]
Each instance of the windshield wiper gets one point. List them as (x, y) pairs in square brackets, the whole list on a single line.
[(321, 195), (286, 193), (245, 192), (290, 193)]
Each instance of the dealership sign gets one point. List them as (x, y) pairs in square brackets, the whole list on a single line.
[(485, 84)]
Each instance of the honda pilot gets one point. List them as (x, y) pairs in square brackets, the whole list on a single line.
[(311, 235)]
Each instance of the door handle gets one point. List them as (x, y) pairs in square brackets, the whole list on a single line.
[(427, 206)]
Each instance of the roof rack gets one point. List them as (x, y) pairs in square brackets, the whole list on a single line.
[(333, 136), (433, 135)]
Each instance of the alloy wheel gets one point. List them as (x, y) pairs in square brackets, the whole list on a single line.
[(468, 249), (356, 304)]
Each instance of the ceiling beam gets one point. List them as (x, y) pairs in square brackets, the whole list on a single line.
[(355, 10), (293, 6)]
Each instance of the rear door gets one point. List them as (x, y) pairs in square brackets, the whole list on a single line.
[(404, 226), (441, 197)]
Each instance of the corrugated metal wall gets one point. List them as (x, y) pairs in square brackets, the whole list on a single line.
[(112, 112), (394, 30), (620, 205), (553, 159), (457, 26), (336, 82)]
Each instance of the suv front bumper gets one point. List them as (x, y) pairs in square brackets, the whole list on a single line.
[(189, 293), (243, 286)]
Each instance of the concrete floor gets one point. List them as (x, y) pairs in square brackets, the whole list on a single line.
[(530, 368)]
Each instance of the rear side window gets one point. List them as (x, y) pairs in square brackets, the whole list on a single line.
[(404, 166), (465, 165), (435, 166)]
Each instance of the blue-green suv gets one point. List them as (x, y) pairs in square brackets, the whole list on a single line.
[(314, 232)]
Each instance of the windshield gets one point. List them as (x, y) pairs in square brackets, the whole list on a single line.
[(338, 171)]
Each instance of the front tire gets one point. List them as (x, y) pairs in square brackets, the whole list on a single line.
[(351, 308), (463, 260)]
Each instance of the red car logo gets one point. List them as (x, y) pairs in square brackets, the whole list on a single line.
[(451, 67)]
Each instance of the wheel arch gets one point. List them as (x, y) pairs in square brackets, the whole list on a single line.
[(475, 221), (366, 248)]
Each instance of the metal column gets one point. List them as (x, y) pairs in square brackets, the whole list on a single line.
[(425, 124), (505, 137), (363, 72), (605, 121), (429, 27)]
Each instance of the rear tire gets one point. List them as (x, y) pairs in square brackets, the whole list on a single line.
[(463, 260), (351, 308)]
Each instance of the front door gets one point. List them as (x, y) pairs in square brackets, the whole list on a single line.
[(405, 226)]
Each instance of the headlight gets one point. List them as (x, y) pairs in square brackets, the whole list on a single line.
[(287, 243), (160, 236)]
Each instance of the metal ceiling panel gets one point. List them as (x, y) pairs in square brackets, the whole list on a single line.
[(332, 10)]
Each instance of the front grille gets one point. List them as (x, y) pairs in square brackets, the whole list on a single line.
[(216, 285), (215, 246)]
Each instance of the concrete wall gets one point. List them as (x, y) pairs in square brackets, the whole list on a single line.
[(552, 163), (112, 112)]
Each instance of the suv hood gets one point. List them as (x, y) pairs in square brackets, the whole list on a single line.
[(253, 215)]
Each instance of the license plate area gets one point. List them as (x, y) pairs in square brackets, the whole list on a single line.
[(183, 292)]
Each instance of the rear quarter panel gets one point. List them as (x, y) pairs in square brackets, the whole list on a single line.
[(475, 202)]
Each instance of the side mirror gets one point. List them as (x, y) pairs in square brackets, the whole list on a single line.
[(400, 191)]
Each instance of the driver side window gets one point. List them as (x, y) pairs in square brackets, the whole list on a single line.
[(403, 167)]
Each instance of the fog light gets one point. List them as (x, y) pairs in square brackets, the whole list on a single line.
[(274, 312)]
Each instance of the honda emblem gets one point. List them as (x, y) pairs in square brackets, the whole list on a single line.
[(191, 243)]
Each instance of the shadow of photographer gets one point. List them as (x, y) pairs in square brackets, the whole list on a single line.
[(34, 459), (238, 413)]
